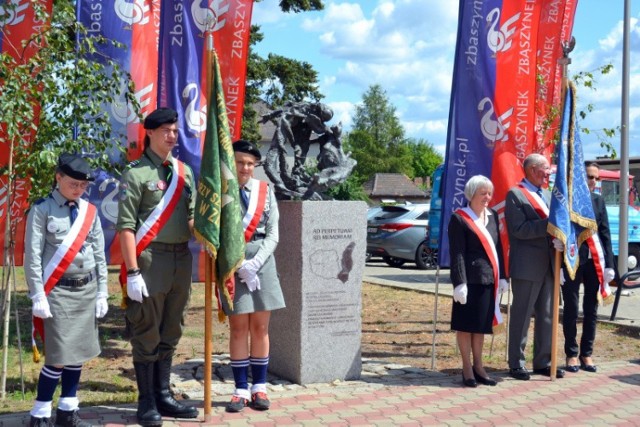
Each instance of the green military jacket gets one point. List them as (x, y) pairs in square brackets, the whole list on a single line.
[(142, 186)]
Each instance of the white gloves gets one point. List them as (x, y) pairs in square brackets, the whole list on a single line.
[(558, 245), (562, 280), (40, 306), (136, 288), (460, 293), (609, 275), (503, 286), (248, 273), (101, 304)]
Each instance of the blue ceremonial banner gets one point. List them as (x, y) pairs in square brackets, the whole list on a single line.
[(571, 216)]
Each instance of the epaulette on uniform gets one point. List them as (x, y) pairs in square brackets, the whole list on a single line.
[(133, 163), (37, 202)]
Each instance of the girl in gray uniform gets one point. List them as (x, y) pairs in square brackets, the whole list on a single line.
[(66, 271), (257, 290)]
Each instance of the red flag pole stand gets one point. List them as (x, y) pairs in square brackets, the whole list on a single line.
[(208, 335), (555, 316)]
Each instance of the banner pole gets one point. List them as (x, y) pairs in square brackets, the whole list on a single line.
[(208, 336), (435, 321), (555, 315)]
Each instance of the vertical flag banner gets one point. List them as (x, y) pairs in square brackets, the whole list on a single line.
[(496, 104), (135, 25), (18, 23), (218, 219), (571, 215)]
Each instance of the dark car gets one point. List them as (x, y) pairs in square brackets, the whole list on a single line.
[(398, 234)]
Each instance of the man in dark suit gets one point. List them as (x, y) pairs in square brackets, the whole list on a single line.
[(531, 268), (587, 274)]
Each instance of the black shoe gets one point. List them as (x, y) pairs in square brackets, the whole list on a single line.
[(483, 380), (147, 413), (519, 373), (70, 419), (571, 368), (469, 382), (547, 372), (260, 401), (237, 404), (588, 368), (170, 407), (40, 422)]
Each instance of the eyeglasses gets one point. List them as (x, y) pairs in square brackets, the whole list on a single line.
[(597, 178), (78, 184)]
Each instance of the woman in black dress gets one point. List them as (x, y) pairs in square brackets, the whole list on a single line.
[(477, 274)]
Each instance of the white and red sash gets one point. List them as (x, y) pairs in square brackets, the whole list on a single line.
[(257, 203), (490, 249), (64, 255), (535, 200), (158, 216), (597, 254)]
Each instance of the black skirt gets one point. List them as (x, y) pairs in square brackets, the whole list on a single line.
[(476, 316)]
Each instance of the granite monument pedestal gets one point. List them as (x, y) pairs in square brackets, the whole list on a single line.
[(320, 260)]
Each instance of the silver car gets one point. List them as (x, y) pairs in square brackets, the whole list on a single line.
[(398, 234)]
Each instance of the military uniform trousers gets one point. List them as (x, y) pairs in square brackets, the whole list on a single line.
[(157, 322), (71, 335)]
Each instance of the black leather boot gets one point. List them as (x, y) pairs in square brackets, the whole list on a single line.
[(166, 404), (40, 422), (147, 413), (70, 419)]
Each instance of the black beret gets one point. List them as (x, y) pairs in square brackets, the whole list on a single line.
[(75, 166), (243, 146), (159, 117)]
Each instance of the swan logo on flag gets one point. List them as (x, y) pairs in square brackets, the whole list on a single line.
[(500, 39), (121, 109), (195, 119), (109, 201), (14, 14), (136, 12), (209, 18), (494, 127)]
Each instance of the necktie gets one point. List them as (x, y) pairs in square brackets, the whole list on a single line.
[(73, 210), (539, 191), (167, 165), (244, 197)]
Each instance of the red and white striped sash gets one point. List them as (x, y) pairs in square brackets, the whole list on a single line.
[(257, 203), (490, 249), (597, 254), (158, 216), (64, 255), (535, 200)]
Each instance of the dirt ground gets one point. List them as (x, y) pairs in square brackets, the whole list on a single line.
[(397, 326)]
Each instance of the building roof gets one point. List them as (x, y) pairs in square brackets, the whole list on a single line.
[(392, 185)]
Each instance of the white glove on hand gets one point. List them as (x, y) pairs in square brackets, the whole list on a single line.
[(503, 286), (136, 288), (609, 275), (557, 243), (102, 307), (253, 283), (40, 306), (562, 280), (460, 293)]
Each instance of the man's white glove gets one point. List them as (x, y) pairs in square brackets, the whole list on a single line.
[(102, 307), (40, 306), (136, 288), (460, 293), (609, 275), (503, 286), (557, 243), (562, 280)]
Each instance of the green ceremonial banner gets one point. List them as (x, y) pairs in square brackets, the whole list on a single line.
[(218, 220)]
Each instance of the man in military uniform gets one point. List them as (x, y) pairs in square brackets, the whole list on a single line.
[(66, 271), (155, 221)]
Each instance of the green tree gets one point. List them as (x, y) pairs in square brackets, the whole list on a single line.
[(377, 140), (61, 87), (425, 158), (300, 5)]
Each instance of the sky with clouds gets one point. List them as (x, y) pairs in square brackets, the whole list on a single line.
[(407, 46)]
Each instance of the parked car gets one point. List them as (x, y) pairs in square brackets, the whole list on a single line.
[(398, 234)]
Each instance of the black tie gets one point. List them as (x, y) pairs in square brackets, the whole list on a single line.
[(73, 210), (167, 165), (539, 191), (244, 198)]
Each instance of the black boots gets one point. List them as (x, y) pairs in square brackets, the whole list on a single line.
[(147, 413), (40, 422), (69, 419), (166, 404)]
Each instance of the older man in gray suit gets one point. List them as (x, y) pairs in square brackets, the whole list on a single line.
[(531, 268)]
